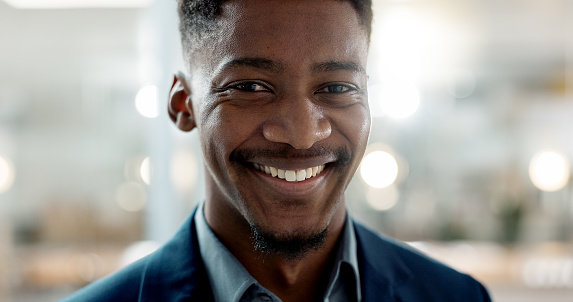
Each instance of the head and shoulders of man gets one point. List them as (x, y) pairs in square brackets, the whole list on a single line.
[(277, 91), (281, 86)]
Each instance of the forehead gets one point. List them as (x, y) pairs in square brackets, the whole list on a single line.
[(297, 14), (295, 30)]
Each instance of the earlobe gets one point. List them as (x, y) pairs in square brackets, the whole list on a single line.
[(180, 105)]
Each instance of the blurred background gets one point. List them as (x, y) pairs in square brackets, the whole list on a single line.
[(469, 158)]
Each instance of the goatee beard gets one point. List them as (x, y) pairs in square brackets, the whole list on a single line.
[(290, 247)]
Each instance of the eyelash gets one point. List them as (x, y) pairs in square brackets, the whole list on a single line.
[(241, 86), (345, 88), (262, 88)]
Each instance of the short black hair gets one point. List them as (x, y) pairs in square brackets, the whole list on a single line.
[(197, 19)]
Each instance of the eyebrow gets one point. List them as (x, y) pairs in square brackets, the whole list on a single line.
[(337, 65), (273, 66), (258, 63)]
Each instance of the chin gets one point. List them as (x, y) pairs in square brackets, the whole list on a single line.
[(294, 217), (291, 234), (290, 245)]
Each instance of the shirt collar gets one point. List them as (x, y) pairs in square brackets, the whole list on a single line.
[(347, 255), (230, 280)]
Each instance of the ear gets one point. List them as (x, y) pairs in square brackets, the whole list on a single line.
[(180, 107)]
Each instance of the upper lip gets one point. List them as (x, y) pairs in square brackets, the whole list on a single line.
[(293, 163), (286, 158)]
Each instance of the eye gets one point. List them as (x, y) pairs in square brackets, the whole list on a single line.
[(339, 94), (250, 86), (335, 88)]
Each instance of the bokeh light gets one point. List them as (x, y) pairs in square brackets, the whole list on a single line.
[(414, 44), (549, 170), (382, 199), (132, 168), (89, 267), (146, 101), (183, 170), (398, 99), (379, 169), (131, 196), (6, 174), (145, 170)]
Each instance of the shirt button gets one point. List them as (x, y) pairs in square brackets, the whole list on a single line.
[(264, 297)]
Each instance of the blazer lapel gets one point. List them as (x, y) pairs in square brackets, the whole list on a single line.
[(176, 271), (381, 270)]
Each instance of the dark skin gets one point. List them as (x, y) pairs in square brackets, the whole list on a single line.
[(282, 85)]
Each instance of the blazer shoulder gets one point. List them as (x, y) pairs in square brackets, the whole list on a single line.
[(411, 275), (123, 285), (174, 272)]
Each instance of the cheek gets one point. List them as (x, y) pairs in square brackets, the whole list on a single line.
[(222, 131), (212, 141), (354, 124)]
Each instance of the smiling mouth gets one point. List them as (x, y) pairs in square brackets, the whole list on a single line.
[(290, 175)]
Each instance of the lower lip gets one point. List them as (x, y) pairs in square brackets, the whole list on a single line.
[(304, 187)]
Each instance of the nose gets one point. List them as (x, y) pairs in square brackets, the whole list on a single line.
[(299, 123)]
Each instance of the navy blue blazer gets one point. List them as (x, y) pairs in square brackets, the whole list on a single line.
[(390, 271)]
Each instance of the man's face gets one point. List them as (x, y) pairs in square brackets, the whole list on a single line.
[(283, 87)]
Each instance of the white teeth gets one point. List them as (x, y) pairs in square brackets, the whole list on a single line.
[(300, 175), (290, 175), (308, 173), (274, 172)]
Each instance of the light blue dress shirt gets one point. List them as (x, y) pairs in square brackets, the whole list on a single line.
[(231, 282)]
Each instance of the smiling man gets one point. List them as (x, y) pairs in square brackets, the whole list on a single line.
[(277, 92)]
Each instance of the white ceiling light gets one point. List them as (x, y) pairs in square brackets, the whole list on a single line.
[(59, 4)]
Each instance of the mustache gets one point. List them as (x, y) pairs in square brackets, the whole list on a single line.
[(342, 155)]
